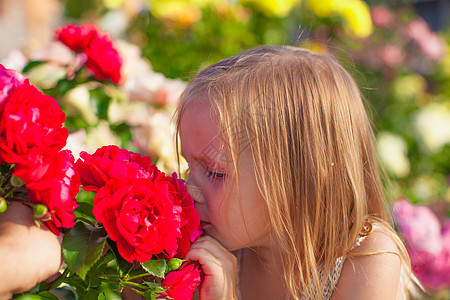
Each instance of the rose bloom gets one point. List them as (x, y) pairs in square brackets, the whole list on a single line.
[(31, 128), (76, 37), (9, 79), (110, 162), (190, 218), (57, 190), (138, 214), (182, 283), (128, 184), (103, 59)]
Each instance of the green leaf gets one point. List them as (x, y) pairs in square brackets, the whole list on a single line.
[(102, 263), (149, 294), (124, 266), (93, 281), (29, 297), (90, 295), (48, 295), (101, 296), (82, 247), (31, 65), (84, 212), (155, 267), (151, 284), (101, 100)]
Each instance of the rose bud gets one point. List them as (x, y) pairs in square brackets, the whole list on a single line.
[(3, 205)]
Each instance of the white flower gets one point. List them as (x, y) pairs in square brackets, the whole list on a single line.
[(156, 138), (78, 101), (76, 143), (101, 136), (142, 83), (393, 153), (432, 124), (15, 59)]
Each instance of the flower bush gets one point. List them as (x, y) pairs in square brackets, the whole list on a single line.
[(428, 243), (31, 138), (130, 191), (132, 225)]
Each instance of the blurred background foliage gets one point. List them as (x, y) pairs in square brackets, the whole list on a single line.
[(401, 64)]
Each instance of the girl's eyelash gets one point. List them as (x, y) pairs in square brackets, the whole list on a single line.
[(215, 175)]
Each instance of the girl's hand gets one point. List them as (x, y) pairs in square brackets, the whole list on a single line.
[(28, 254), (219, 267)]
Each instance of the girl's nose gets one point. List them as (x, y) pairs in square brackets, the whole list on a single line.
[(195, 192)]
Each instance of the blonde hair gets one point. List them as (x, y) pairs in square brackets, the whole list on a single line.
[(303, 118)]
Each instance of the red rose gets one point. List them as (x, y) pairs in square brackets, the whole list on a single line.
[(112, 162), (190, 218), (182, 283), (9, 79), (31, 129), (138, 214), (103, 59), (76, 37), (57, 190)]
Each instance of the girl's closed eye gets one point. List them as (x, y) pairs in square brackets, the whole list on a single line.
[(215, 174)]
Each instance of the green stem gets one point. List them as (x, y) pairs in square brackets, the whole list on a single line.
[(139, 276), (58, 280), (134, 284), (128, 283)]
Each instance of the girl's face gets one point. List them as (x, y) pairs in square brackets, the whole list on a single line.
[(235, 223)]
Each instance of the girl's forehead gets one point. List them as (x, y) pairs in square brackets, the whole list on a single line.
[(199, 131)]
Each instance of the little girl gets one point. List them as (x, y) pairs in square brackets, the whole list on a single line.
[(285, 178)]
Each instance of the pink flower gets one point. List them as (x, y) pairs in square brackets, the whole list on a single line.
[(9, 80), (427, 242), (429, 42), (391, 55), (419, 225), (182, 283), (382, 16)]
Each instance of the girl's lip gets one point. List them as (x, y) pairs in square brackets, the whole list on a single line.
[(203, 223)]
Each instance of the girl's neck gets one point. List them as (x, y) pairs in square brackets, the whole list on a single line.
[(261, 275), (268, 258)]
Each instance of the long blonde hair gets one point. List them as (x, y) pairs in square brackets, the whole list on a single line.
[(303, 117)]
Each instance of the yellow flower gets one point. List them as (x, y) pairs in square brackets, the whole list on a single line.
[(357, 16), (317, 47), (276, 8), (321, 8), (113, 4), (181, 12), (233, 11)]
